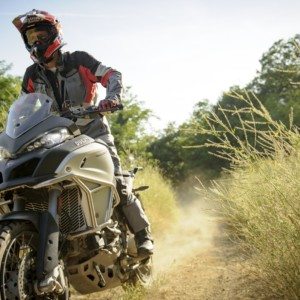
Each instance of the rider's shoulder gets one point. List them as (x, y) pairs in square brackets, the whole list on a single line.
[(81, 57), (30, 70)]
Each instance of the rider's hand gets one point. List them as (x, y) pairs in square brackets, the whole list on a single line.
[(108, 104), (86, 105)]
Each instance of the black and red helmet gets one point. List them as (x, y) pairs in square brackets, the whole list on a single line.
[(41, 51)]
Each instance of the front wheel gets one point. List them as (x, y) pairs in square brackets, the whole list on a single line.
[(18, 252), (142, 275)]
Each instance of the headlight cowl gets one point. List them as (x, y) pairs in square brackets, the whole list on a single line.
[(50, 139)]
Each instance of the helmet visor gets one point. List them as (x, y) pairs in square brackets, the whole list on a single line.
[(40, 36)]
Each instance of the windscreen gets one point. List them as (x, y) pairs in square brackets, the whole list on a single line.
[(26, 112)]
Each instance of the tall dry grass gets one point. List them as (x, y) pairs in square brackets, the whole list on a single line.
[(159, 200), (261, 194)]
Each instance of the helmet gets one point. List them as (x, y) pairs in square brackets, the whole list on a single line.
[(41, 33)]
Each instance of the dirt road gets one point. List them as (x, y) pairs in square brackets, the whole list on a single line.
[(196, 260), (206, 264)]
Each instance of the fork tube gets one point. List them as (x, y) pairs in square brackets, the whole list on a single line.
[(19, 203), (54, 193), (48, 237)]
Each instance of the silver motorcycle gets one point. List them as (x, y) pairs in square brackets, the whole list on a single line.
[(60, 222)]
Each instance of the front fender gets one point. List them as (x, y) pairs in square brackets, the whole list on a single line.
[(47, 252), (31, 216)]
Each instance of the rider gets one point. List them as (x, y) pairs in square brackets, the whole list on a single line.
[(71, 79)]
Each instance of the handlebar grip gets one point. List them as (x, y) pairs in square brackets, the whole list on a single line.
[(113, 109)]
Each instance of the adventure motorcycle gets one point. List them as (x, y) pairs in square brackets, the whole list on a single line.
[(60, 222)]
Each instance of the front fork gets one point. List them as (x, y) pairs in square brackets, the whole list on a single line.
[(49, 272)]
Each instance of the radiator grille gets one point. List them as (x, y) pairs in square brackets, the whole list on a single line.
[(71, 214), (36, 206), (71, 217)]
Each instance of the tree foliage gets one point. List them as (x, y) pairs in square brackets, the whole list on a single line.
[(276, 86), (129, 126), (177, 150), (9, 90)]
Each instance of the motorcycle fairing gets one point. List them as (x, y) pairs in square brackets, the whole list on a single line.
[(14, 145), (37, 166)]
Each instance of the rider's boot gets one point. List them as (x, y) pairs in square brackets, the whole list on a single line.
[(136, 219), (144, 242)]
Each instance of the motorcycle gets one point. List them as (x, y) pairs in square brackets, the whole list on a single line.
[(60, 223)]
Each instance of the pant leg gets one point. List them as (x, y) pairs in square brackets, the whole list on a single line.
[(108, 139), (129, 204)]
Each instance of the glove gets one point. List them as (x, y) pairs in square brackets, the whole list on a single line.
[(108, 104)]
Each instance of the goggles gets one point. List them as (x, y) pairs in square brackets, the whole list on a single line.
[(37, 36)]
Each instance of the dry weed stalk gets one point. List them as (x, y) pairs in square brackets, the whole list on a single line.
[(261, 199)]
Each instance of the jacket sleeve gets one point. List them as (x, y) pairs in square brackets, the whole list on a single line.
[(109, 78), (114, 86), (27, 83), (112, 80)]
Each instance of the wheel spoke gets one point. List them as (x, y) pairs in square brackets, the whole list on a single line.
[(13, 255), (18, 267), (28, 243)]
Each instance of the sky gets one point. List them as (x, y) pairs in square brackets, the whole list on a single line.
[(173, 53)]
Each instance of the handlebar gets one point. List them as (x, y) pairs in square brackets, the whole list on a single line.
[(91, 111)]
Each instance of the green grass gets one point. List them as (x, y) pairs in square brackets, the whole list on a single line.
[(260, 197)]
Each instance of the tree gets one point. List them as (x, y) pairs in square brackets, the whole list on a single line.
[(177, 150), (10, 87), (168, 152), (128, 126), (277, 85)]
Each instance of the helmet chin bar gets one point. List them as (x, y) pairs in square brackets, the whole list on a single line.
[(41, 56), (42, 60)]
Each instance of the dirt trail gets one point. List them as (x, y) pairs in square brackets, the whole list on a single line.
[(200, 262), (196, 260)]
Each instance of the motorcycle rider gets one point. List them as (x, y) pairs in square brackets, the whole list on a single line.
[(71, 79)]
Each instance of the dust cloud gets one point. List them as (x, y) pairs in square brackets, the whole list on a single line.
[(192, 233)]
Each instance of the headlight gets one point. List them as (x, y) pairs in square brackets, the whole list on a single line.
[(50, 139), (54, 138), (4, 154)]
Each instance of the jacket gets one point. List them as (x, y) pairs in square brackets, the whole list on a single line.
[(74, 81)]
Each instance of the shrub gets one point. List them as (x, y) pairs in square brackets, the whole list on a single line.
[(261, 198)]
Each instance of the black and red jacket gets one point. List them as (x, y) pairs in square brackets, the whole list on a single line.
[(74, 80)]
